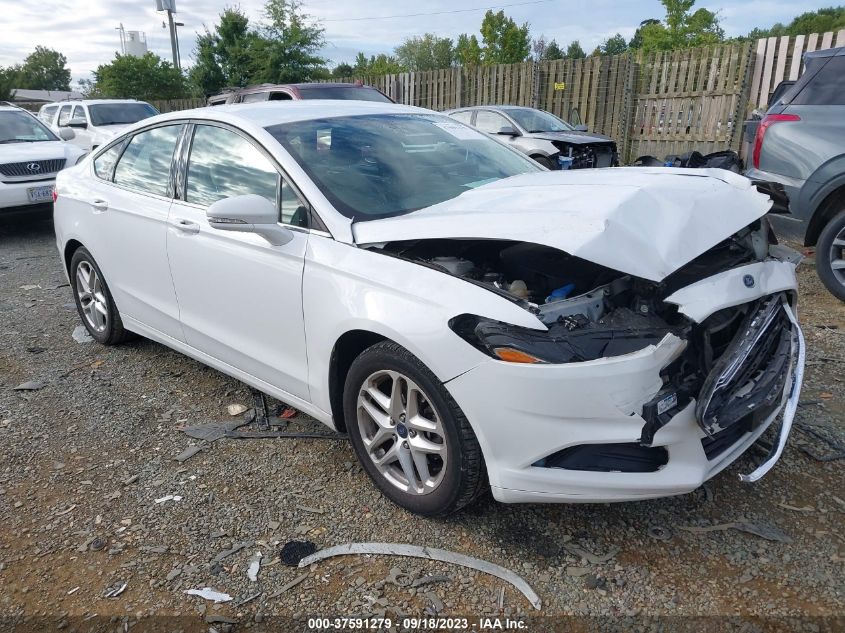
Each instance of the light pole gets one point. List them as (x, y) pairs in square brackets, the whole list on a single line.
[(176, 26), (170, 7)]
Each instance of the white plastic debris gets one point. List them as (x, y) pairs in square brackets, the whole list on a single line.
[(431, 553), (114, 592), (254, 566), (236, 409), (168, 498), (209, 594)]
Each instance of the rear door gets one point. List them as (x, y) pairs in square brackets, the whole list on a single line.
[(129, 200), (240, 298)]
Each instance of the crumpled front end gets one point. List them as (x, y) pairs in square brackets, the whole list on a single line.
[(680, 386)]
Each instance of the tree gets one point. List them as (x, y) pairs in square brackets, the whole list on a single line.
[(553, 51), (574, 51), (615, 45), (544, 51), (680, 28), (343, 70), (7, 83), (43, 69), (637, 40), (224, 55), (821, 21), (504, 41), (287, 52), (426, 52), (377, 65), (467, 50), (147, 77)]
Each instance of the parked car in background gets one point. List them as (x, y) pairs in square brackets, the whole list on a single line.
[(94, 121), (549, 140), (295, 92), (800, 143), (30, 157), (471, 320)]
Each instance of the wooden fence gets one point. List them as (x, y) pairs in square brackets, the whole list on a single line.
[(663, 103), (779, 58)]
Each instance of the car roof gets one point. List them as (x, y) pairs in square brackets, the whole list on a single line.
[(90, 102), (494, 107), (268, 113), (827, 52)]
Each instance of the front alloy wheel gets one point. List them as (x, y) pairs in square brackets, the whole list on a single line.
[(409, 434), (402, 432)]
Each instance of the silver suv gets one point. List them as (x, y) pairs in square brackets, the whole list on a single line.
[(800, 143)]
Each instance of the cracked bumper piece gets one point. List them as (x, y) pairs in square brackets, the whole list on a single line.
[(574, 432)]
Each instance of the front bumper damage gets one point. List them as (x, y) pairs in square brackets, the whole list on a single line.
[(586, 432)]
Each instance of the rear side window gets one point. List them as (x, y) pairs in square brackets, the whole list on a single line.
[(145, 164), (224, 165), (463, 117), (827, 87), (104, 163), (255, 97), (47, 114)]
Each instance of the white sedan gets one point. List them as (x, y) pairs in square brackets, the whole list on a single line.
[(463, 314)]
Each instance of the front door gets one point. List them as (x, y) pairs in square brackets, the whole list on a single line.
[(240, 298)]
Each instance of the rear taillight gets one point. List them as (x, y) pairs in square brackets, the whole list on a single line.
[(768, 120), (55, 193)]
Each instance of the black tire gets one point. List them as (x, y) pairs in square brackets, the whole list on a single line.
[(465, 477), (833, 230), (545, 162), (113, 332)]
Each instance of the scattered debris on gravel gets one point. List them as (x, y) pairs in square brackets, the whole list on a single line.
[(109, 509)]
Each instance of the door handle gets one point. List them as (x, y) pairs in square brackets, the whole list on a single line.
[(99, 205), (186, 226)]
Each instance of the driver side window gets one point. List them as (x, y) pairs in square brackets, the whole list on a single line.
[(490, 122), (223, 164)]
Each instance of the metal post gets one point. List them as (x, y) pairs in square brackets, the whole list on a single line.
[(173, 38)]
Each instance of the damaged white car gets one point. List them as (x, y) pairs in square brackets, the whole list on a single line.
[(465, 316)]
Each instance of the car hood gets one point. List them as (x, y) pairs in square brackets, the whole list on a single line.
[(575, 138), (643, 221), (40, 150)]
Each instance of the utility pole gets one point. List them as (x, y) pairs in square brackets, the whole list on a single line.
[(170, 7)]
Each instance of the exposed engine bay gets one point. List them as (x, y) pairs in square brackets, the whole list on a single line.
[(586, 156)]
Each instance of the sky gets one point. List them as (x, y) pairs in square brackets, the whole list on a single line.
[(85, 32)]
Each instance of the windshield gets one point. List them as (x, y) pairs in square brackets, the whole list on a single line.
[(355, 93), (538, 121), (20, 127), (120, 113), (377, 166)]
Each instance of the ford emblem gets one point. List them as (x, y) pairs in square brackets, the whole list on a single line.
[(748, 280), (33, 167)]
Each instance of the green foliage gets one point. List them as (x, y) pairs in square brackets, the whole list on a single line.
[(282, 50), (426, 52), (287, 52), (821, 21), (43, 69), (342, 70), (553, 51), (574, 51), (680, 28), (504, 41), (377, 65), (637, 40), (7, 83), (148, 77), (615, 45), (468, 50)]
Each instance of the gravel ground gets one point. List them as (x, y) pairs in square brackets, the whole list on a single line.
[(85, 457)]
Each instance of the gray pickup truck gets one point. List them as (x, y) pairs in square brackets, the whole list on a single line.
[(800, 143)]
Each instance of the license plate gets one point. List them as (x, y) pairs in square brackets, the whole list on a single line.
[(669, 402), (40, 194)]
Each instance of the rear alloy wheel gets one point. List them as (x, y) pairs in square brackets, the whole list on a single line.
[(830, 256), (94, 301), (409, 434)]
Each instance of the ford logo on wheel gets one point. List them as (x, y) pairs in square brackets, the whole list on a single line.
[(748, 280), (33, 167)]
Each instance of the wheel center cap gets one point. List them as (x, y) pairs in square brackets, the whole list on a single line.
[(402, 431)]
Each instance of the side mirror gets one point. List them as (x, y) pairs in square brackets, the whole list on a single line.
[(507, 130), (66, 134), (581, 128), (249, 214), (80, 123)]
